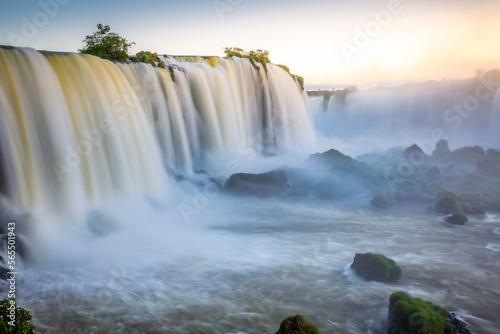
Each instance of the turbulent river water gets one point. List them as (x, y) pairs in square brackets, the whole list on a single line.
[(242, 265)]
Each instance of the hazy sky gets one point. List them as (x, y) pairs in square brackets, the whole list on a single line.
[(326, 41)]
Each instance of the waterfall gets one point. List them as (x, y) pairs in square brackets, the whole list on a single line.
[(460, 111), (76, 129)]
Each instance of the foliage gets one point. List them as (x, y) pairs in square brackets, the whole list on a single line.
[(297, 325), (107, 45), (413, 315), (448, 204), (376, 267), (23, 324), (259, 56), (297, 78), (147, 57)]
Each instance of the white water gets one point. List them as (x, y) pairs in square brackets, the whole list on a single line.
[(77, 130), (135, 264)]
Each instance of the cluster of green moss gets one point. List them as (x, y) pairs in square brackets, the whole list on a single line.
[(147, 57), (413, 315)]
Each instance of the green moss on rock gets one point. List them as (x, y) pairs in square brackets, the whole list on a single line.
[(297, 325), (376, 267), (413, 315)]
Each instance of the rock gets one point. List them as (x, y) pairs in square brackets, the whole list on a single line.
[(415, 155), (459, 326), (381, 201), (457, 219), (448, 204), (376, 267), (297, 325), (260, 185), (412, 315)]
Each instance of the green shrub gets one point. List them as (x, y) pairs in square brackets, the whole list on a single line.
[(22, 322), (448, 204), (297, 325)]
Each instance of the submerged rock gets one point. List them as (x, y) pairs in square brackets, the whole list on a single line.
[(457, 219), (260, 185), (376, 267), (381, 201), (297, 325), (413, 316)]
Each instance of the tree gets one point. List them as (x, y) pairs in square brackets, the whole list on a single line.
[(107, 45)]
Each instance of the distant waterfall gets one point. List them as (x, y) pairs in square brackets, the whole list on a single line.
[(461, 111), (75, 129)]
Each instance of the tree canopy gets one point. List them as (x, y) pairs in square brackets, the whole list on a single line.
[(107, 45)]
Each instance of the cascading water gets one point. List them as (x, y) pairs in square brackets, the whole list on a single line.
[(76, 129)]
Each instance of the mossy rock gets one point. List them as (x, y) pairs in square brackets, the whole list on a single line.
[(376, 267), (297, 325), (414, 316), (260, 185), (381, 201), (448, 204), (457, 219)]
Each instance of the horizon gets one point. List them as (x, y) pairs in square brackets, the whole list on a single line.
[(350, 42)]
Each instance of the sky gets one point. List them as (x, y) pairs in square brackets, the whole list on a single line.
[(326, 41)]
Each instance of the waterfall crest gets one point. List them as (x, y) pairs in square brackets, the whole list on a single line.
[(76, 129)]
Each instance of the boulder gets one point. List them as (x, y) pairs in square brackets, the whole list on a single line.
[(376, 267), (297, 325), (260, 185), (412, 315), (457, 219), (448, 204), (381, 201)]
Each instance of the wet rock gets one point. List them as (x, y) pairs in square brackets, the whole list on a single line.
[(376, 267), (297, 325), (412, 315), (260, 185), (457, 219)]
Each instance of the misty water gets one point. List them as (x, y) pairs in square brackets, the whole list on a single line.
[(242, 265), (134, 236)]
